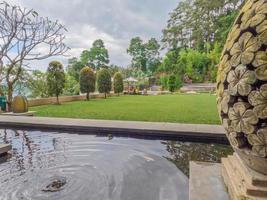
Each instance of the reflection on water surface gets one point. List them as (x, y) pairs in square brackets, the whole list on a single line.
[(45, 165)]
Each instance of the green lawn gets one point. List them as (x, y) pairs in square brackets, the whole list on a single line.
[(195, 108)]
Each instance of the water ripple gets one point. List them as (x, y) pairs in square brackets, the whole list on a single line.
[(71, 166)]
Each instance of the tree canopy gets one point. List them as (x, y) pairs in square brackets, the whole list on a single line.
[(97, 56), (145, 55), (104, 81), (118, 83), (87, 81), (55, 79), (196, 22)]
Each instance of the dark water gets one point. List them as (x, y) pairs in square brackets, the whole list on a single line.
[(65, 166)]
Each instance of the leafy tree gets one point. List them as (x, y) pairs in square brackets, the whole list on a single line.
[(152, 48), (37, 84), (55, 79), (194, 63), (118, 83), (84, 57), (137, 50), (145, 56), (169, 64), (87, 81), (97, 56), (172, 83), (104, 81), (72, 86), (214, 58), (74, 67), (223, 25), (113, 69), (194, 23)]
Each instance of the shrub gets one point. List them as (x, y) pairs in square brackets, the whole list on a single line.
[(87, 81), (172, 83), (118, 83), (55, 79), (104, 81), (178, 82), (164, 82)]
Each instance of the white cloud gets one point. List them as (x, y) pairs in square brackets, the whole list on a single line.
[(113, 21)]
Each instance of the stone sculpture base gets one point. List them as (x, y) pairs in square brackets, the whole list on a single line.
[(242, 182)]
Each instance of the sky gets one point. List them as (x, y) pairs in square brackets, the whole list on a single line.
[(113, 21)]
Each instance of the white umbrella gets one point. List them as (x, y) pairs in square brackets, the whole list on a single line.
[(130, 79)]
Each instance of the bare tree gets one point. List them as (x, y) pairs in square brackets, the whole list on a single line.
[(24, 37)]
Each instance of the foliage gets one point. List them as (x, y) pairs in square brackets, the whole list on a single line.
[(118, 83), (104, 81), (195, 35), (55, 79), (172, 83), (87, 81), (97, 56), (223, 25), (72, 87), (164, 82), (178, 82), (194, 23), (113, 69), (37, 84), (194, 64), (74, 67), (169, 63), (145, 55), (214, 59)]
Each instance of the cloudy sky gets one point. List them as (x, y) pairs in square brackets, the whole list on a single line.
[(114, 21)]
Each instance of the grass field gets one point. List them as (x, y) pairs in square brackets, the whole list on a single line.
[(195, 108)]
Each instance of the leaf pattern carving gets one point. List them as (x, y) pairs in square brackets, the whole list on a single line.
[(243, 50), (259, 142), (242, 119), (259, 100), (240, 80)]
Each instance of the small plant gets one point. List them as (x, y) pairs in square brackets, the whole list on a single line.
[(172, 83), (104, 81), (87, 81), (55, 79), (118, 83)]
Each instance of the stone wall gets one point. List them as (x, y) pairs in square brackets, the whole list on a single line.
[(62, 99)]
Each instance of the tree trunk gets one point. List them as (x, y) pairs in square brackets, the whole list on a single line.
[(9, 98), (105, 95), (118, 94), (87, 96), (57, 100)]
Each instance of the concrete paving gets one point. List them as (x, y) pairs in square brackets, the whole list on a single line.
[(127, 128), (206, 182)]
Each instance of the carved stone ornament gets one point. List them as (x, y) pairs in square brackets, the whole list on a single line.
[(242, 85)]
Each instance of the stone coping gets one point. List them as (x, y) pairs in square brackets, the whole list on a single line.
[(187, 132), (4, 148), (30, 113)]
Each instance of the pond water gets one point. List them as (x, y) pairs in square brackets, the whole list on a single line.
[(51, 165)]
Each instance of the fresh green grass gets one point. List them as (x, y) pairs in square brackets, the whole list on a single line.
[(195, 108)]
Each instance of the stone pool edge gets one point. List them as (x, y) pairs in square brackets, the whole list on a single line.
[(187, 132)]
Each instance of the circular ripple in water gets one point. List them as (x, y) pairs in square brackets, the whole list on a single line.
[(88, 167)]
